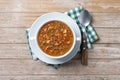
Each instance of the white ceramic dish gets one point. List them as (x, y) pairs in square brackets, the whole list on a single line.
[(50, 17)]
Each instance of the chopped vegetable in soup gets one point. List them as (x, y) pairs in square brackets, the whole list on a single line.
[(55, 38)]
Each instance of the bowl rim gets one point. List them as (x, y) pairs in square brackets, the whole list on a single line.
[(67, 53), (33, 43)]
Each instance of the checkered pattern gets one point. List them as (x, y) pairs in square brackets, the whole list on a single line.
[(91, 34), (74, 14), (34, 56), (31, 52)]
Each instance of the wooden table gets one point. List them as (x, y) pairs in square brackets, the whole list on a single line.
[(16, 62)]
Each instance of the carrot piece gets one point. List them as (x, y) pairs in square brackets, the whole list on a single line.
[(48, 41), (68, 42), (46, 47), (51, 51), (65, 31), (56, 44), (51, 27), (47, 37), (65, 35), (58, 34)]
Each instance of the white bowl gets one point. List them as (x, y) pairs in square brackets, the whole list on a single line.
[(51, 17), (69, 51)]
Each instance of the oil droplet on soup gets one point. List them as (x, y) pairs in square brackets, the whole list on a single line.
[(55, 38)]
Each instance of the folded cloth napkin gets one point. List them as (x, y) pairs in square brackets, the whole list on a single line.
[(74, 14), (91, 34)]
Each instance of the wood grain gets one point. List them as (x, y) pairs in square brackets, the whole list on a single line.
[(16, 62), (14, 51), (26, 19), (55, 5), (21, 51), (61, 77), (23, 67), (13, 35), (18, 35), (99, 1)]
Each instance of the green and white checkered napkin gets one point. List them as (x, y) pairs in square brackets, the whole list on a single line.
[(91, 34), (74, 14)]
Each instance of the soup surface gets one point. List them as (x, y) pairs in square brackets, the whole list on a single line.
[(55, 38)]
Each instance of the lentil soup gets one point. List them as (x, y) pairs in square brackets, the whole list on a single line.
[(55, 38)]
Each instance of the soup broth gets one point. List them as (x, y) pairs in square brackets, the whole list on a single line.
[(55, 38)]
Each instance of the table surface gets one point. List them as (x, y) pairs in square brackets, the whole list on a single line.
[(16, 62)]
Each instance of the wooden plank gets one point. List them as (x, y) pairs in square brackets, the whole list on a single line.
[(13, 35), (61, 77), (18, 19), (29, 67), (108, 35), (99, 1), (35, 1), (105, 19), (14, 51), (21, 51), (16, 62), (26, 19), (53, 5), (104, 51), (17, 35)]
